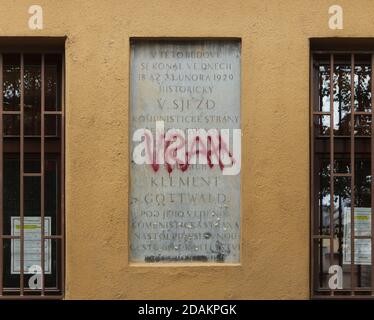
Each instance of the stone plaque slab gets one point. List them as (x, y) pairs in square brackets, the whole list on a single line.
[(185, 161)]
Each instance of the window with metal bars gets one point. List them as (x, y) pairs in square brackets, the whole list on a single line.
[(32, 174), (341, 175)]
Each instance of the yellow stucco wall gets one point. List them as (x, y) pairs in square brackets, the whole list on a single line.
[(275, 122)]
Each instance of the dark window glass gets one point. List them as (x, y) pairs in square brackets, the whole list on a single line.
[(32, 175), (341, 175)]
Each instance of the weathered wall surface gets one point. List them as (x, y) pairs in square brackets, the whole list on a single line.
[(275, 122)]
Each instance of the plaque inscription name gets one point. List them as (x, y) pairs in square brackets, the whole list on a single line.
[(184, 206)]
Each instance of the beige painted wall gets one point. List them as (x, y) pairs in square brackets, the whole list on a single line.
[(275, 122)]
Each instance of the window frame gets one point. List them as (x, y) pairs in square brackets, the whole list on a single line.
[(41, 47), (327, 48)]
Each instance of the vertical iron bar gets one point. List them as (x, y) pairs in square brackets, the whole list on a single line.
[(332, 162), (1, 176), (311, 186), (372, 175), (42, 173), (352, 174), (340, 231), (22, 239), (62, 191)]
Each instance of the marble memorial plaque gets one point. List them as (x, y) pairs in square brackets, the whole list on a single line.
[(185, 153)]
